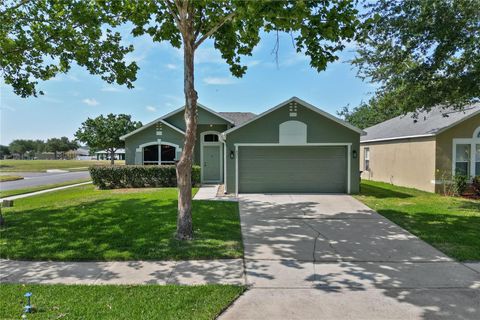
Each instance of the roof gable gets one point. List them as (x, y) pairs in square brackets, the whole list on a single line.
[(214, 113), (427, 124), (148, 125), (304, 104)]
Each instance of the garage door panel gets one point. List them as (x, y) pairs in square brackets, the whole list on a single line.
[(292, 169)]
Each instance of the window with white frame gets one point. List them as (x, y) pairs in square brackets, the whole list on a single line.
[(466, 155), (477, 159), (462, 159), (159, 154), (366, 156)]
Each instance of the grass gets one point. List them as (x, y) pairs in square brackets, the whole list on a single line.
[(82, 223), (43, 165), (9, 178), (8, 193), (117, 302), (450, 224)]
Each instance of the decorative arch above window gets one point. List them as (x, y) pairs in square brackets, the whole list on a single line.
[(292, 132), (476, 133)]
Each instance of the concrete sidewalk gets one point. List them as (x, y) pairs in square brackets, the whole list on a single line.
[(193, 272), (331, 257)]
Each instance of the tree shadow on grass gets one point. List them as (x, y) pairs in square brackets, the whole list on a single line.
[(381, 193), (120, 229)]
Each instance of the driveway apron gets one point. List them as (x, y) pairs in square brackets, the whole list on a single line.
[(331, 257)]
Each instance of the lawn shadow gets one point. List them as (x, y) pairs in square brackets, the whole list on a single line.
[(120, 229), (381, 193)]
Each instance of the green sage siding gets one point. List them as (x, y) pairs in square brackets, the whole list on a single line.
[(319, 130)]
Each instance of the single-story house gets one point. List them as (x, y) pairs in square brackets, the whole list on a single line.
[(293, 147), (105, 155), (423, 152)]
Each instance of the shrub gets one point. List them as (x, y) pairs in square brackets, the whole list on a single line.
[(115, 177), (460, 183), (476, 185)]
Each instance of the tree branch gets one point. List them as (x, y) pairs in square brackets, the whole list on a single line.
[(174, 15), (214, 29), (13, 7)]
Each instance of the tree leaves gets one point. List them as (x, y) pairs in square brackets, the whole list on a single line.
[(425, 52), (103, 133)]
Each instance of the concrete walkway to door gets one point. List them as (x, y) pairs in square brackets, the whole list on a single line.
[(331, 257)]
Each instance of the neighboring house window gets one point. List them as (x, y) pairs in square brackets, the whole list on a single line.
[(477, 160), (210, 138), (466, 155), (462, 160), (366, 159)]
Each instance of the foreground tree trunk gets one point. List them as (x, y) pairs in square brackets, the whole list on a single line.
[(184, 166)]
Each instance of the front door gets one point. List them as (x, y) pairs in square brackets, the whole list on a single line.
[(211, 163)]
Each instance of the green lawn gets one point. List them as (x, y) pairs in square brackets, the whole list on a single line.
[(4, 178), (43, 165), (83, 223), (450, 224), (15, 192), (117, 302)]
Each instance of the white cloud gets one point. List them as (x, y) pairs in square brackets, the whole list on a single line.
[(219, 80), (7, 107), (151, 108), (171, 66), (252, 63), (110, 89), (91, 102)]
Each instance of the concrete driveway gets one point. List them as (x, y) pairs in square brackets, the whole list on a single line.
[(331, 257)]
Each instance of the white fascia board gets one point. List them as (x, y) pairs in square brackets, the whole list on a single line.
[(399, 138), (201, 106), (305, 104), (149, 125)]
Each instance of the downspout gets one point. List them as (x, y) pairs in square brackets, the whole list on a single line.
[(224, 165), (224, 141)]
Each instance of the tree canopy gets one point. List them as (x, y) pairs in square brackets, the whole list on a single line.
[(62, 145), (103, 133), (41, 38), (422, 53)]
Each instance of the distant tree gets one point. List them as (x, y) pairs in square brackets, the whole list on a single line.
[(103, 133), (4, 151), (62, 145), (370, 113), (424, 52), (22, 147)]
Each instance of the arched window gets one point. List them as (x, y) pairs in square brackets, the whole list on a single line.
[(150, 155), (156, 154), (211, 137)]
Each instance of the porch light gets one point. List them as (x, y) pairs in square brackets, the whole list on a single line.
[(354, 154), (232, 154)]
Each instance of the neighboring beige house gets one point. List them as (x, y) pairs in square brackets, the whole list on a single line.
[(425, 151)]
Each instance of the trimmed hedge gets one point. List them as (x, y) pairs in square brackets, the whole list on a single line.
[(116, 177)]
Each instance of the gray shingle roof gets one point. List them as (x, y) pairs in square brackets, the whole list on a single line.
[(238, 117), (427, 123)]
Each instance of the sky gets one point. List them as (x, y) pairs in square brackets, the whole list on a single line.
[(73, 97)]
